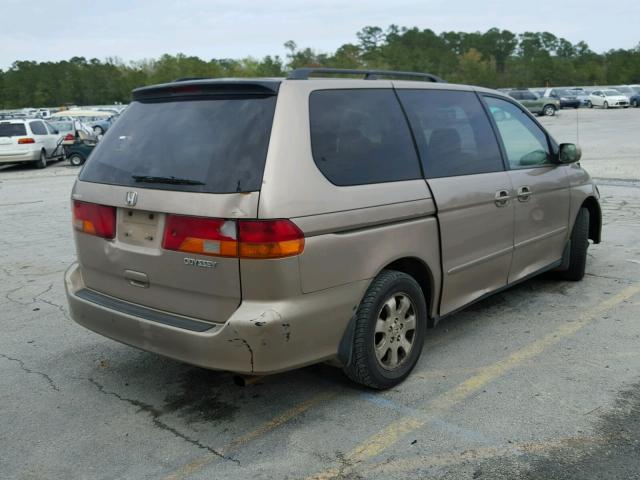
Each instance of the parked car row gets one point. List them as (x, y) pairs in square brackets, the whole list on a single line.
[(548, 101), (37, 141)]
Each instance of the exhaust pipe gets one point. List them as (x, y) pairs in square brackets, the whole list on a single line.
[(246, 380)]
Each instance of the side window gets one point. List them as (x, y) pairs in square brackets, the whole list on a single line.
[(525, 143), (38, 128), (453, 133), (529, 96), (516, 95), (360, 137)]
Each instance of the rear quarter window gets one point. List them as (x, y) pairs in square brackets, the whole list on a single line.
[(361, 137)]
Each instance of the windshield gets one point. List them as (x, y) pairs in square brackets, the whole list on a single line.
[(12, 129), (219, 143)]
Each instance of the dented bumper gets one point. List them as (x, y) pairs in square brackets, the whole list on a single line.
[(259, 337)]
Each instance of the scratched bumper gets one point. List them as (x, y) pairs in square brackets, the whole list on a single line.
[(259, 338)]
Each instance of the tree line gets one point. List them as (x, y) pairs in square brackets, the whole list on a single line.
[(496, 58)]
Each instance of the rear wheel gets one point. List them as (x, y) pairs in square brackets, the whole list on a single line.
[(76, 160), (549, 110), (578, 248), (98, 130), (605, 105), (42, 161), (634, 103), (589, 104), (391, 323)]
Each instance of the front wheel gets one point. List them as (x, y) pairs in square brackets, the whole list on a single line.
[(549, 110), (98, 130), (391, 323), (578, 248), (605, 105), (589, 104), (634, 104)]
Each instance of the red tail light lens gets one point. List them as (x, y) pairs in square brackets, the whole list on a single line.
[(228, 238), (94, 219), (206, 236), (24, 141), (269, 239), (69, 137)]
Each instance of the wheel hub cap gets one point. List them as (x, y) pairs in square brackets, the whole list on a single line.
[(395, 331)]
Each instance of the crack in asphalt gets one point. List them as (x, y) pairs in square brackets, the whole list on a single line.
[(155, 417), (29, 370)]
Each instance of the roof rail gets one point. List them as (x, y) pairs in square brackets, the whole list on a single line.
[(187, 79), (305, 73)]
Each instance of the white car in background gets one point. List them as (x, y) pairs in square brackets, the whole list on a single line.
[(608, 98), (28, 141)]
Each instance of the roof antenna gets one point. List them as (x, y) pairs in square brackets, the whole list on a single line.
[(577, 126)]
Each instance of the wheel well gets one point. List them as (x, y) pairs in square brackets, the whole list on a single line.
[(595, 218), (421, 274)]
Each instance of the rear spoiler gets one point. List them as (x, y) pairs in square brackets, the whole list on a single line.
[(204, 88)]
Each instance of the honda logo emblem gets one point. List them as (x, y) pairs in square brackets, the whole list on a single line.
[(132, 198)]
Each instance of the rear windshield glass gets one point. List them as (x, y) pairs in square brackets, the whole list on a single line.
[(12, 129), (218, 145)]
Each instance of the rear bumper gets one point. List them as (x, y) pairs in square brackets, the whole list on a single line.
[(259, 337), (29, 156)]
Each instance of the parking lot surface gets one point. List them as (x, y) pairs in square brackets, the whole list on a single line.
[(537, 382)]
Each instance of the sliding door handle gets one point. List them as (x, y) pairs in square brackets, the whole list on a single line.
[(502, 198)]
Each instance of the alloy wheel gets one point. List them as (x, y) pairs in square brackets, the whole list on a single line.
[(395, 331)]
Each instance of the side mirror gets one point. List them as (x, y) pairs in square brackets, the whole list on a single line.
[(569, 153)]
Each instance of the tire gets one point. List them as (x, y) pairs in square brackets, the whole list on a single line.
[(549, 110), (76, 160), (578, 248), (589, 104), (42, 161), (383, 307), (634, 104), (605, 105), (98, 130)]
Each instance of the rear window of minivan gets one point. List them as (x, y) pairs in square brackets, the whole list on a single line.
[(12, 129), (217, 144)]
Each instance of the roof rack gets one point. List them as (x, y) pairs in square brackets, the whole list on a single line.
[(305, 73), (187, 79)]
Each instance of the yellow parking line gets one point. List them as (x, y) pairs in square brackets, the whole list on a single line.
[(483, 453), (238, 442), (390, 435)]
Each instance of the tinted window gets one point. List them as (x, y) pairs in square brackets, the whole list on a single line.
[(516, 95), (525, 143), (452, 131), (38, 128), (360, 137), (220, 142), (12, 129)]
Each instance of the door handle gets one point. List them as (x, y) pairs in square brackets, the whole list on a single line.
[(502, 198), (524, 193)]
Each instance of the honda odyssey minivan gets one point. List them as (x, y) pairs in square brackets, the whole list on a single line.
[(261, 225)]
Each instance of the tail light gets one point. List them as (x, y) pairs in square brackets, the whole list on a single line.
[(94, 219), (206, 236), (228, 238), (69, 137), (24, 141), (269, 239)]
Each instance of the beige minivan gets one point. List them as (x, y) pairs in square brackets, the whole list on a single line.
[(261, 225)]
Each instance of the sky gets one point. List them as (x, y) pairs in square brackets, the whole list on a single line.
[(46, 30)]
